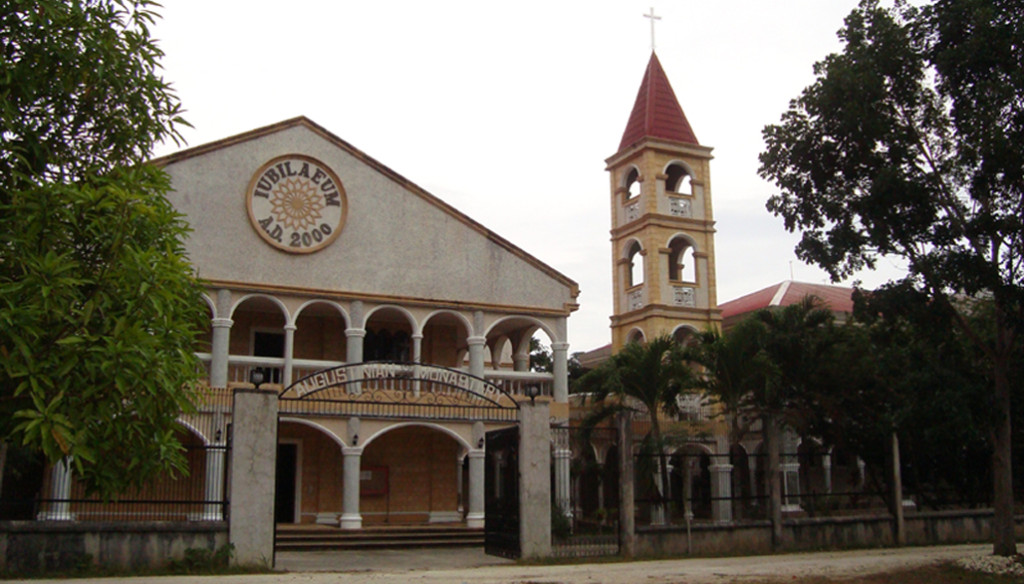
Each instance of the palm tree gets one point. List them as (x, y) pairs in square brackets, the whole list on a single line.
[(765, 370), (642, 376)]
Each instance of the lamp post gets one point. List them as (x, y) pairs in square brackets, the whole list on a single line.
[(533, 391), (256, 377)]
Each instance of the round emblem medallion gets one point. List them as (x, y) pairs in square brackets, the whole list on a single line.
[(296, 203)]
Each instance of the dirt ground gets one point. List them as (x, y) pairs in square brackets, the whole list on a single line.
[(472, 567)]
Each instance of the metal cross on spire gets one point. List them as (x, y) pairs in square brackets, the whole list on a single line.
[(653, 18)]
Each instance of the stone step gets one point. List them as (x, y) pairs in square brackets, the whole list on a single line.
[(309, 538)]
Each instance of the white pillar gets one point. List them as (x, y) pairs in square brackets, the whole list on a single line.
[(688, 488), (790, 486), (458, 485), (790, 469), (475, 516), (60, 492), (521, 362), (721, 492), (353, 355), (417, 348), (289, 349), (658, 507), (219, 352), (350, 517), (752, 465), (826, 466), (563, 483), (417, 356), (354, 345), (477, 347), (559, 357)]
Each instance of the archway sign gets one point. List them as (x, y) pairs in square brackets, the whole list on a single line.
[(389, 389)]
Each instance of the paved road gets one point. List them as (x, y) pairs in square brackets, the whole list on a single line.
[(472, 567)]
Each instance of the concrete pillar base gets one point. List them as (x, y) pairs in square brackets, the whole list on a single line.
[(351, 521), (327, 518), (475, 521)]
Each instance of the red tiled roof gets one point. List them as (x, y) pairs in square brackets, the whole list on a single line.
[(656, 113), (837, 298)]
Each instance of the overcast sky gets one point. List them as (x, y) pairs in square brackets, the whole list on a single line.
[(507, 110)]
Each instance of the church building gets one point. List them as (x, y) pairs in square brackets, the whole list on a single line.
[(396, 329)]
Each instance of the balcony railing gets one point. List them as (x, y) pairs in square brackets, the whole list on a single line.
[(239, 367)]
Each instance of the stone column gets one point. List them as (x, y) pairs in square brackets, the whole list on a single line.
[(559, 358), (752, 485), (475, 514), (521, 361), (535, 479), (563, 481), (350, 517), (721, 492), (219, 350), (253, 474), (417, 348), (790, 469), (417, 357), (354, 355), (790, 486), (60, 491), (459, 473), (688, 489), (826, 467), (289, 350), (658, 507), (477, 347)]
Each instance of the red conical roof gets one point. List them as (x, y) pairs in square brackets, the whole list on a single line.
[(656, 113)]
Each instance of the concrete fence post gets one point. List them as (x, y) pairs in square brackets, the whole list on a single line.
[(535, 479), (253, 472)]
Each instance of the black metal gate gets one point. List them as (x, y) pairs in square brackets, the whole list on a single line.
[(501, 494)]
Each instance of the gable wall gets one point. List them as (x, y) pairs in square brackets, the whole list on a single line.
[(393, 243)]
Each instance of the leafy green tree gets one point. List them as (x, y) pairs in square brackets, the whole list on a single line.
[(541, 361), (922, 379), (99, 308), (646, 377), (909, 144)]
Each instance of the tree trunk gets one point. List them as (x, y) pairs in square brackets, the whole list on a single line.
[(897, 492), (3, 464), (662, 464), (1003, 540), (627, 513), (773, 482)]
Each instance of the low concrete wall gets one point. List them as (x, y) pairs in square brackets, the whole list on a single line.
[(925, 528), (705, 540), (954, 527), (36, 546)]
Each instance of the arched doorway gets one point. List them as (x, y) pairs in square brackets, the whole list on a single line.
[(409, 475), (309, 479)]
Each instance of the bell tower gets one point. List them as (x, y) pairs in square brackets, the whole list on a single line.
[(663, 248)]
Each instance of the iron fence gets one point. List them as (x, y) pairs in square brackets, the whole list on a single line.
[(694, 486), (52, 493), (585, 495)]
